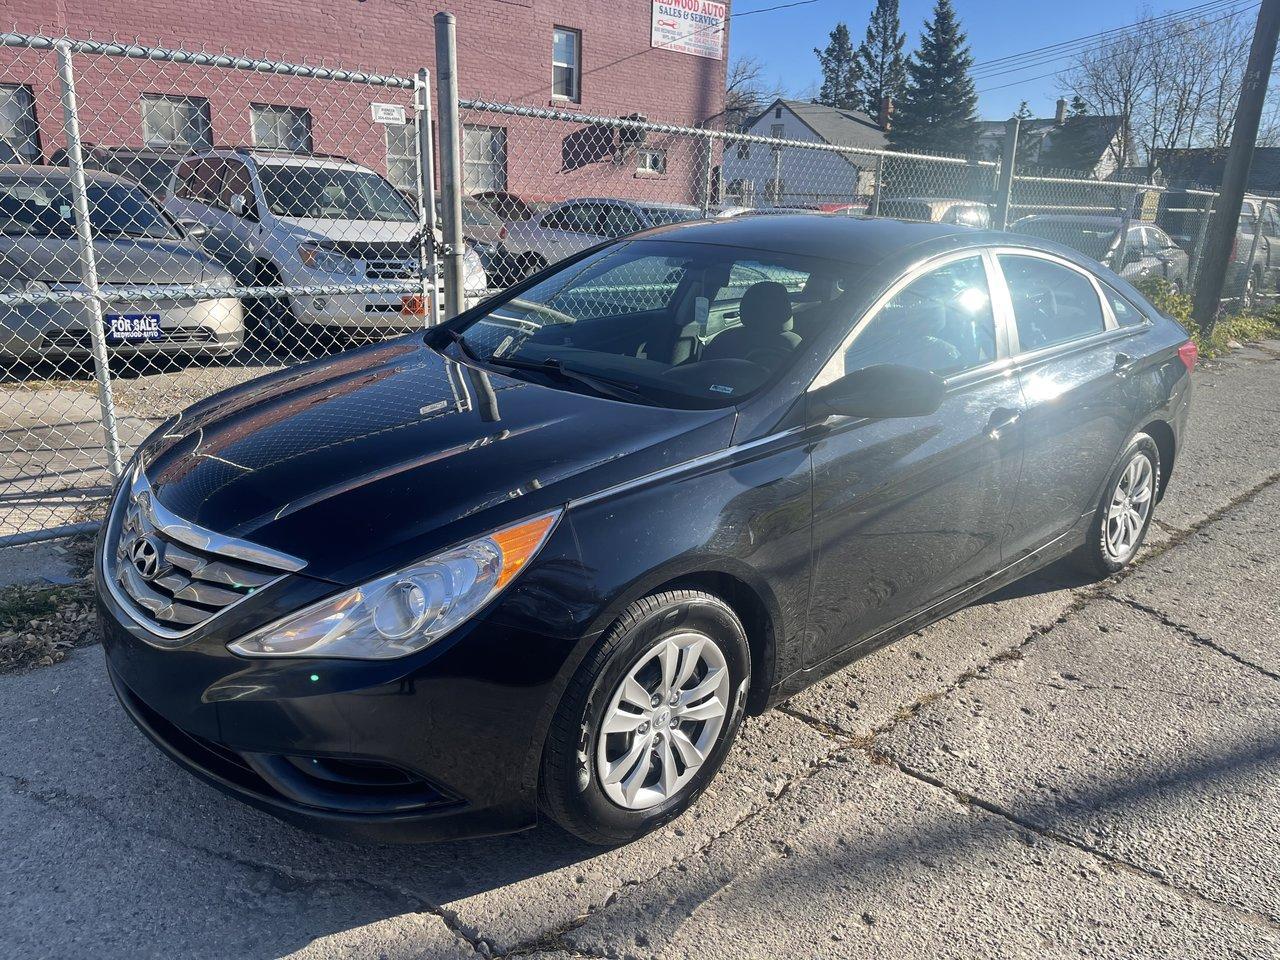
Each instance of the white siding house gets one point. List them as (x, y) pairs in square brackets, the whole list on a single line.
[(757, 174)]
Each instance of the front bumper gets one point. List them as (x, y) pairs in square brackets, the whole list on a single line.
[(436, 746)]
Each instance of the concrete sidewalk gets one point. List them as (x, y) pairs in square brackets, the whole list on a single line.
[(1066, 769)]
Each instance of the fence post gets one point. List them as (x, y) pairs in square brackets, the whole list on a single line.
[(1246, 295), (450, 161), (426, 196), (708, 160), (878, 187), (1197, 250), (1004, 187), (1126, 220), (88, 259)]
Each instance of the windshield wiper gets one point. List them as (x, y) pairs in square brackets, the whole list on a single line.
[(618, 389), (455, 337)]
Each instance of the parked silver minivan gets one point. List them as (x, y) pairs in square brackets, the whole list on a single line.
[(135, 245)]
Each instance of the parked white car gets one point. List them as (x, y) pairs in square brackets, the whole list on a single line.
[(285, 219), (564, 228)]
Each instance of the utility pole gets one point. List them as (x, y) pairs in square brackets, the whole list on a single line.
[(1222, 230)]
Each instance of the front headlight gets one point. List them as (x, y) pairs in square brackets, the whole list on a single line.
[(408, 610), (318, 257)]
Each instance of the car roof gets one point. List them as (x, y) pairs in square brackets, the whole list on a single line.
[(273, 158), (848, 239), (42, 171), (1100, 219), (645, 204)]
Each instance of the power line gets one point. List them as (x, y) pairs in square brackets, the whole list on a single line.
[(1190, 27)]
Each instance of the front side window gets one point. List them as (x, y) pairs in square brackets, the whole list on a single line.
[(18, 126), (661, 322), (941, 322), (331, 193), (43, 207), (281, 128), (176, 122), (574, 218), (199, 181), (484, 159), (1052, 303), (565, 73)]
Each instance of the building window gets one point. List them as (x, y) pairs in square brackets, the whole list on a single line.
[(777, 113), (176, 121), (566, 54), (484, 159), (651, 160), (18, 128), (777, 130), (402, 156), (281, 128)]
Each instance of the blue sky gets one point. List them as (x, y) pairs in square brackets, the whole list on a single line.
[(784, 40)]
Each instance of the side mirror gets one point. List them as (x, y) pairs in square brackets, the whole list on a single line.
[(194, 229), (881, 391), (240, 206)]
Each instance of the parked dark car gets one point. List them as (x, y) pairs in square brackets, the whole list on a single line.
[(546, 556), (1254, 268), (150, 169), (1148, 250)]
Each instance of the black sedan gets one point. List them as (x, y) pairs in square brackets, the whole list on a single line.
[(545, 557)]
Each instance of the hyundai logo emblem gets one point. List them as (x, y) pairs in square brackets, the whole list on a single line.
[(145, 557)]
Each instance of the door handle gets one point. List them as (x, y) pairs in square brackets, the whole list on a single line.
[(1002, 419)]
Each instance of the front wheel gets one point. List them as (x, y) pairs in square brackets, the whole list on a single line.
[(648, 718), (1120, 525)]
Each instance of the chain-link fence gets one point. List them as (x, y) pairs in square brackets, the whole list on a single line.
[(173, 223)]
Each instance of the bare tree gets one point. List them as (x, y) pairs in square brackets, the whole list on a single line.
[(747, 91)]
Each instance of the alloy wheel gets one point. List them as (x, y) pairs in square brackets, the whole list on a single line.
[(1130, 506), (662, 721)]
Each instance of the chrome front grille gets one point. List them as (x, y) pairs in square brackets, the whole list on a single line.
[(383, 260), (172, 576)]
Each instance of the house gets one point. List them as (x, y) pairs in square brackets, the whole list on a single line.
[(600, 59), (1087, 146), (755, 173), (1204, 167)]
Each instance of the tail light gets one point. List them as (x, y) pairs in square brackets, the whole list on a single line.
[(502, 232), (1189, 354)]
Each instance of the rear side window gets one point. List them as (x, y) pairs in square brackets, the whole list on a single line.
[(1052, 303), (1127, 315), (940, 322)]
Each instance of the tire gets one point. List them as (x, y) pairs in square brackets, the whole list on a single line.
[(1108, 548), (578, 755), (530, 264), (269, 320)]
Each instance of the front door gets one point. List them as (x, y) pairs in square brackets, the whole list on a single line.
[(908, 511)]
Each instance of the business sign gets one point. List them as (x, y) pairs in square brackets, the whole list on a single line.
[(689, 26), (388, 113)]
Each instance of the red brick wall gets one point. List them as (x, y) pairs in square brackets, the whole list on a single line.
[(504, 54)]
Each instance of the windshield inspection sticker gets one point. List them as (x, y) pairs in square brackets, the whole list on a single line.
[(720, 388)]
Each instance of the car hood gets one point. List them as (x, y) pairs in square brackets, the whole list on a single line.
[(377, 231), (132, 261), (369, 460)]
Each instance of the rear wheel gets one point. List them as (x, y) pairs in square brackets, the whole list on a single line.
[(648, 718), (1120, 525), (269, 319)]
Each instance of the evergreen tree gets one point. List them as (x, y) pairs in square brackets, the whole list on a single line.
[(840, 71), (1024, 111), (880, 58), (938, 110)]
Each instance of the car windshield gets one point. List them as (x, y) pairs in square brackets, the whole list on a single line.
[(43, 207), (662, 322), (331, 193), (1094, 240)]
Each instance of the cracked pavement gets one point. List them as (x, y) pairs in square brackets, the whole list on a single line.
[(1067, 768)]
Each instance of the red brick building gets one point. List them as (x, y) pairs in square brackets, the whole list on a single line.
[(593, 58)]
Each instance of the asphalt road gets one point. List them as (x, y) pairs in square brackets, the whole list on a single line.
[(1068, 769)]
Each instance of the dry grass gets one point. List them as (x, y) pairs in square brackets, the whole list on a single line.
[(39, 624)]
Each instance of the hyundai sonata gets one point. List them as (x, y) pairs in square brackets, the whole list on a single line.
[(542, 559)]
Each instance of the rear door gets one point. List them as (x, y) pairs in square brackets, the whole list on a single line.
[(908, 511), (1071, 361)]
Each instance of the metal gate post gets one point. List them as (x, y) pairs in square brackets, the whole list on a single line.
[(1245, 300), (426, 197), (708, 159), (450, 160), (1004, 188), (88, 260), (1126, 220), (878, 187), (1197, 251)]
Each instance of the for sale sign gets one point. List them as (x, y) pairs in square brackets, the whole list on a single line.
[(689, 26)]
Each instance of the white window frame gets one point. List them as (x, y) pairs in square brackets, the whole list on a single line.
[(644, 156), (575, 93), (400, 154), (274, 113), (202, 109), (25, 142), (498, 160)]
